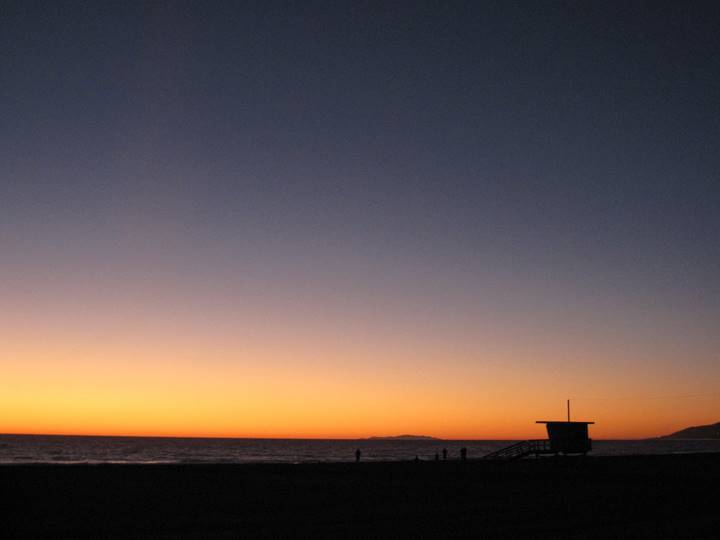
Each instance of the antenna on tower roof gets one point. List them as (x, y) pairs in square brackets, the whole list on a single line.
[(568, 409)]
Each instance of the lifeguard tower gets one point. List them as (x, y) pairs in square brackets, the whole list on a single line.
[(567, 437), (564, 437)]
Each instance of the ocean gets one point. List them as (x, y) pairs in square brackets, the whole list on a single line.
[(43, 449)]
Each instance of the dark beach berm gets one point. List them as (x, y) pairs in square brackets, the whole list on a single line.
[(665, 496)]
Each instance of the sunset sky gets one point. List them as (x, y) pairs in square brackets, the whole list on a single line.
[(354, 219)]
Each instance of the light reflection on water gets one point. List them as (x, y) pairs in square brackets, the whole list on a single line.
[(15, 449)]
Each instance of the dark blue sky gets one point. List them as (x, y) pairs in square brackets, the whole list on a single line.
[(577, 120), (534, 159)]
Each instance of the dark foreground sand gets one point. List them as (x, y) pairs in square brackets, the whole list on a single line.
[(672, 497)]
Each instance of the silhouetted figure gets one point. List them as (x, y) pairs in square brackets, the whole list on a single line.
[(444, 454), (463, 453), (358, 453), (417, 458), (437, 456)]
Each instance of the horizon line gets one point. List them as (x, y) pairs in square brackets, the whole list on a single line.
[(371, 437)]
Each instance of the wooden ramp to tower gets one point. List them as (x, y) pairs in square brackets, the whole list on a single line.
[(563, 438)]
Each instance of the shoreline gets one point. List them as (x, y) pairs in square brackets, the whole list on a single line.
[(349, 461)]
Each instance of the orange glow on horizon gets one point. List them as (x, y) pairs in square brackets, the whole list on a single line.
[(264, 368), (91, 391)]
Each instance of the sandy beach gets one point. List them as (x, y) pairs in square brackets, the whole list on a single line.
[(594, 497)]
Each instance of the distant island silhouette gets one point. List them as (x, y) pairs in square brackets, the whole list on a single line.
[(711, 431), (404, 438)]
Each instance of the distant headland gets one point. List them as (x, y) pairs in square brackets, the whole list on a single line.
[(403, 438), (711, 431)]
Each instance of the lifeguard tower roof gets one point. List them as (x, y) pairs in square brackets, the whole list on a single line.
[(561, 422)]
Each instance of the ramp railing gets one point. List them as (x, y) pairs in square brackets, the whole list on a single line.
[(521, 449)]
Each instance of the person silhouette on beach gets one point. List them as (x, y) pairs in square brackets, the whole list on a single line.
[(358, 453), (463, 453), (437, 456), (444, 454)]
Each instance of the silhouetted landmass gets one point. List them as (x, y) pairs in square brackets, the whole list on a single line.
[(696, 432), (638, 497), (404, 438)]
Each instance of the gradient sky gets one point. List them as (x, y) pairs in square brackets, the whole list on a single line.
[(351, 219)]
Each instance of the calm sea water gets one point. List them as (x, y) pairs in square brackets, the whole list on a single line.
[(17, 449)]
